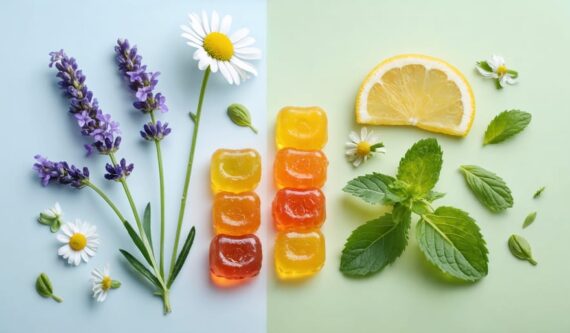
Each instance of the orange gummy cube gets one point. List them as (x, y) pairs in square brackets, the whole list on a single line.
[(235, 170), (235, 257), (299, 254), (301, 128), (236, 213), (300, 168), (298, 209)]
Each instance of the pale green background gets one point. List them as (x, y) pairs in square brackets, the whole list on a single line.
[(319, 51)]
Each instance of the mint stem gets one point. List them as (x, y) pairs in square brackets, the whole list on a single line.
[(57, 298)]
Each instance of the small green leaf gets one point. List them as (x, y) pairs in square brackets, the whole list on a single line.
[(372, 188), (451, 240), (115, 284), (505, 125), (490, 189), (485, 65), (240, 116), (538, 192), (45, 289), (420, 167), (182, 256), (520, 248), (529, 219), (433, 196), (192, 116), (140, 268), (138, 242), (376, 244), (146, 224), (421, 207)]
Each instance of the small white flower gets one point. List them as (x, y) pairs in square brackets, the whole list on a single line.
[(81, 242), (102, 283), (495, 68), (54, 212), (52, 217), (360, 148), (219, 50)]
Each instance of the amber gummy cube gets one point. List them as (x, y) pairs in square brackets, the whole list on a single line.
[(235, 257), (236, 213), (301, 128), (298, 209), (235, 170), (300, 168), (299, 254)]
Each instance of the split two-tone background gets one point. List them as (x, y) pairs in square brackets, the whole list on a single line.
[(316, 52)]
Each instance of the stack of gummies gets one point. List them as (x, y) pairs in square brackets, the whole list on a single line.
[(300, 171), (235, 252)]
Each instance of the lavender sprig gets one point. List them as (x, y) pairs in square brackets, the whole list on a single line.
[(140, 80), (155, 132), (119, 171), (60, 172), (85, 109)]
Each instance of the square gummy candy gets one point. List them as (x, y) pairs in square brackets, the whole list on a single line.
[(299, 254), (298, 209), (301, 128), (235, 170), (235, 257), (300, 168), (236, 213)]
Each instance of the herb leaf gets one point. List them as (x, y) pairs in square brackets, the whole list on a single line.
[(490, 189), (138, 241), (538, 192), (146, 224), (45, 289), (506, 125), (182, 256), (420, 167), (451, 240), (376, 244), (139, 268), (373, 188), (529, 219), (520, 248)]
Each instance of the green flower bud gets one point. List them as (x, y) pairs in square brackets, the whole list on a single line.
[(240, 116)]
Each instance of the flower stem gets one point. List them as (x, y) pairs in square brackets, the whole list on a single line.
[(166, 301), (107, 200), (162, 200), (129, 197), (196, 119), (57, 298)]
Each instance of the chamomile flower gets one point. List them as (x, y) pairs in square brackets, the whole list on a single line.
[(52, 217), (81, 242), (218, 50), (102, 283), (495, 68), (360, 148)]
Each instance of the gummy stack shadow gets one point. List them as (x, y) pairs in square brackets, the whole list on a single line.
[(235, 252), (298, 210)]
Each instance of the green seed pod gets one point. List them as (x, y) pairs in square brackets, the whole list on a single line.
[(45, 289), (520, 248), (240, 116)]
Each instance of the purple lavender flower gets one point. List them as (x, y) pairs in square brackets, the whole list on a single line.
[(119, 171), (60, 172), (155, 132), (140, 81), (92, 121)]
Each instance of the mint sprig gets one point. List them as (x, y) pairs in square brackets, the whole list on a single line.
[(507, 124), (490, 189), (448, 237)]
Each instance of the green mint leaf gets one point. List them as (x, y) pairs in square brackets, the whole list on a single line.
[(376, 244), (506, 125), (490, 189), (529, 219), (421, 207), (420, 167), (520, 248), (538, 192), (451, 240), (373, 188), (182, 256), (434, 195)]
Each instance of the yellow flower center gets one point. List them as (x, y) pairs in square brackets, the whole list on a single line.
[(106, 282), (502, 70), (77, 242), (219, 46), (363, 148)]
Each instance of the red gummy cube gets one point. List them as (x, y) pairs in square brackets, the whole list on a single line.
[(235, 257)]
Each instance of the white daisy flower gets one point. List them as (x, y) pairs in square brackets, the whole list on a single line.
[(219, 50), (360, 148), (81, 242), (52, 217), (495, 68), (102, 283)]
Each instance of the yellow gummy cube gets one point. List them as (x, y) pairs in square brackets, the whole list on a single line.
[(235, 170), (301, 128), (299, 254)]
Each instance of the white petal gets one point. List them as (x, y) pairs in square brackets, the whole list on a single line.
[(225, 72), (509, 79), (495, 62), (214, 65), (354, 137), (247, 41), (233, 73), (64, 251), (215, 21), (199, 53), (57, 208), (191, 38), (485, 72), (76, 258), (357, 161), (238, 35), (244, 65), (503, 81), (196, 24), (363, 134), (204, 62), (350, 144), (66, 229), (250, 53), (63, 238), (226, 24), (351, 152), (205, 23), (102, 297)]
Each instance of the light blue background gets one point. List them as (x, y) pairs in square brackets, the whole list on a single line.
[(36, 121)]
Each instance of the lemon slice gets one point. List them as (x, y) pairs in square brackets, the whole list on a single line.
[(417, 90)]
